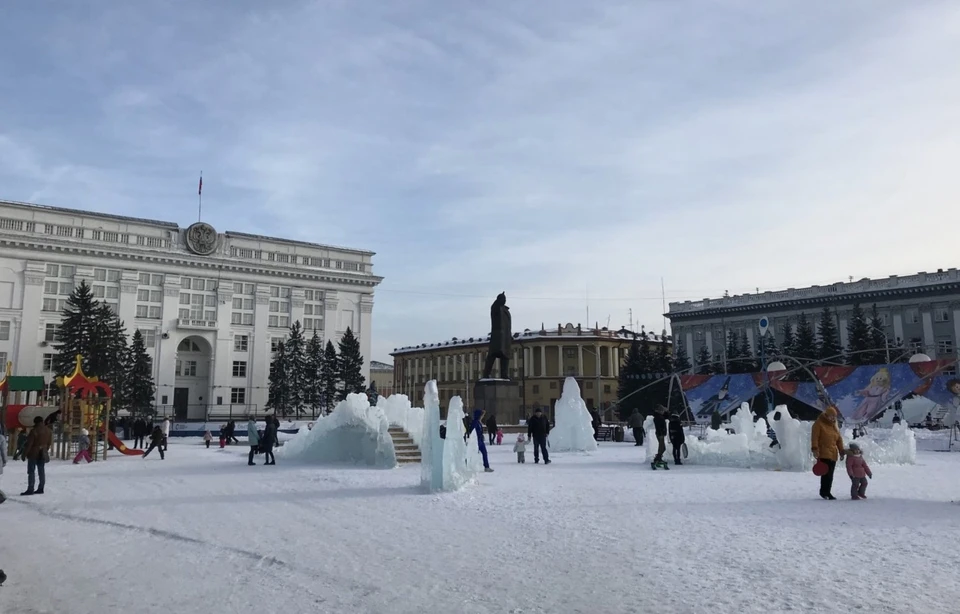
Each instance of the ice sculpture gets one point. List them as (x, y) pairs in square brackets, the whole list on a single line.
[(573, 431), (459, 463), (400, 412), (793, 436), (893, 446), (355, 432), (431, 445)]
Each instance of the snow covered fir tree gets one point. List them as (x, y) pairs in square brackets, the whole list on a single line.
[(308, 377)]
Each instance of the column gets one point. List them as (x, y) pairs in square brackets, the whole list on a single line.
[(955, 314), (689, 341), (560, 361), (365, 326), (929, 342), (28, 353), (709, 334), (610, 360), (167, 347), (898, 327), (296, 306), (260, 344), (579, 361), (751, 340), (221, 372), (843, 332), (127, 306), (331, 302)]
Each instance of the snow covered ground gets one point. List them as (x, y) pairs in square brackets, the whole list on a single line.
[(202, 532)]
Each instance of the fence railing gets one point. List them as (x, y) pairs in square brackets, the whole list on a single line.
[(235, 411)]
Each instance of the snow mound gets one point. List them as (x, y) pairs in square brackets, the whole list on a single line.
[(893, 446), (400, 412), (355, 432), (573, 431)]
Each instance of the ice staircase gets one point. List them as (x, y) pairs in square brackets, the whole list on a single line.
[(407, 451)]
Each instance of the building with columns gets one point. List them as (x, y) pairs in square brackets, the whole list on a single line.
[(210, 305), (920, 312), (541, 361)]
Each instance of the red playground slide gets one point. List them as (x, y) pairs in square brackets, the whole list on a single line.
[(119, 445)]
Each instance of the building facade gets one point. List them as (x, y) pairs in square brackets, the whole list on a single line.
[(381, 375), (211, 306), (541, 361), (920, 312)]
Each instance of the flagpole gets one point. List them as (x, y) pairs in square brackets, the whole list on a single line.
[(200, 198)]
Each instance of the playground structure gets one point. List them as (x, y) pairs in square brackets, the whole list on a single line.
[(22, 398), (85, 403)]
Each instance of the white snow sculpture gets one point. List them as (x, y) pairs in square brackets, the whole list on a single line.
[(573, 431), (355, 432), (459, 463), (431, 445), (400, 412), (793, 453), (893, 446)]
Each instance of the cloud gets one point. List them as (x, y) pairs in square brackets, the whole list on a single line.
[(586, 150)]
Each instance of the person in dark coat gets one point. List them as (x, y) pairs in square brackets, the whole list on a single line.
[(675, 429), (716, 420), (491, 424), (660, 430), (538, 427), (477, 427), (636, 423), (37, 455), (156, 441), (269, 440)]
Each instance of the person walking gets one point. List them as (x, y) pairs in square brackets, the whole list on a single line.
[(859, 471), (83, 447), (156, 441), (826, 444), (268, 440), (37, 453), (520, 447), (491, 424), (207, 438), (660, 430), (677, 438), (477, 427), (253, 439), (538, 428), (636, 423), (139, 432)]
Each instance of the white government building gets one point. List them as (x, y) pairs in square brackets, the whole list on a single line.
[(211, 306)]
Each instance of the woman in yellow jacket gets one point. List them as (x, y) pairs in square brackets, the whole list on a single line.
[(827, 446)]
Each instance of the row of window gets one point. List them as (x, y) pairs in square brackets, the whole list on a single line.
[(75, 232), (327, 263)]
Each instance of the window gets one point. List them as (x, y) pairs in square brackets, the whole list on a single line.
[(53, 270), (67, 270), (237, 303), (536, 389), (273, 321), (249, 289), (211, 301), (553, 385), (941, 314), (198, 284), (884, 318), (143, 295), (184, 314), (698, 335), (156, 296), (66, 288), (308, 295), (238, 395), (238, 288), (239, 368), (149, 337), (99, 291), (308, 309), (284, 292), (50, 287), (113, 276), (284, 322), (141, 311), (48, 362), (156, 280), (240, 343), (248, 304), (100, 274), (944, 346), (235, 318), (185, 283), (248, 319), (274, 291), (274, 306), (4, 330), (144, 279), (112, 292), (606, 388), (589, 385), (186, 368), (3, 360), (274, 342), (196, 300), (49, 304), (184, 299), (52, 332)]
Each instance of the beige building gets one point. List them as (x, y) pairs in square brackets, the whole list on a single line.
[(381, 375), (540, 363)]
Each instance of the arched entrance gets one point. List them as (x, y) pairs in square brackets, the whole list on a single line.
[(192, 383)]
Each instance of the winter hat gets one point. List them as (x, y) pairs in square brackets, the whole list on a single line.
[(519, 436), (854, 446), (84, 431)]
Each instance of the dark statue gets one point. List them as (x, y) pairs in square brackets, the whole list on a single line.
[(501, 338)]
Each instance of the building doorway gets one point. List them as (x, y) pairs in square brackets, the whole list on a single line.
[(192, 378), (181, 398)]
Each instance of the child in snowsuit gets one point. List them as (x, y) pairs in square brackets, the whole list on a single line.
[(520, 447), (207, 438), (83, 445), (859, 471), (675, 429), (499, 436), (223, 435)]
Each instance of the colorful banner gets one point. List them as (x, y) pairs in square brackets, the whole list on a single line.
[(708, 393)]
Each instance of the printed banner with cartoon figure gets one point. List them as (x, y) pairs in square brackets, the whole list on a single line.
[(944, 390), (861, 393), (708, 393)]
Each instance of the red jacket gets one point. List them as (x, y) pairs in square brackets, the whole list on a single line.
[(857, 467)]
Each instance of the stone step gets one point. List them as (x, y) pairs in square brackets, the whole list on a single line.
[(405, 446), (402, 440)]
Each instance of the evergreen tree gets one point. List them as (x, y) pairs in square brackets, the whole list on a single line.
[(681, 362), (76, 331), (806, 342), (140, 377), (631, 374), (828, 346), (858, 338), (745, 356), (878, 340), (732, 355), (705, 364), (663, 362), (313, 386), (771, 351), (329, 384), (789, 340), (114, 357), (350, 365), (278, 393), (295, 351)]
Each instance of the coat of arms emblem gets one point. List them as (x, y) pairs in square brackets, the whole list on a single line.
[(202, 239)]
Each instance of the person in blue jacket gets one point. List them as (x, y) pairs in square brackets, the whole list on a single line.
[(477, 427)]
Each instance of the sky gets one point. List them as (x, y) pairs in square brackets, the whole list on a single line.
[(569, 153)]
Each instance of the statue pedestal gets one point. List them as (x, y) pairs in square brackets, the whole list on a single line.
[(500, 397)]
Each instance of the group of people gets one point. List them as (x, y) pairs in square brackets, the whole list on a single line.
[(263, 442), (826, 444)]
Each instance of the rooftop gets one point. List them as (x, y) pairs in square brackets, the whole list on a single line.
[(175, 226), (376, 365), (568, 331), (892, 284)]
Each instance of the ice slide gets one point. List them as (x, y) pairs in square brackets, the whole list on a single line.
[(119, 445)]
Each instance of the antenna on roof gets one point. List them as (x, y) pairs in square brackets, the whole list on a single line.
[(663, 303)]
